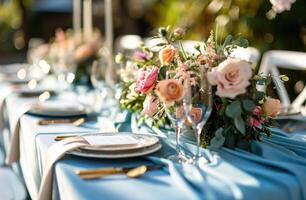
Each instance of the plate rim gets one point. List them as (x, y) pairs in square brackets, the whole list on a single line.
[(157, 147)]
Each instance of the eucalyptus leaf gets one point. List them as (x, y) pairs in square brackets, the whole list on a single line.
[(242, 42), (239, 124), (160, 44), (218, 140), (248, 105), (233, 110)]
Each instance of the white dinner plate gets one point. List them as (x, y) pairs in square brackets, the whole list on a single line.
[(57, 108), (118, 145), (27, 92), (123, 154)]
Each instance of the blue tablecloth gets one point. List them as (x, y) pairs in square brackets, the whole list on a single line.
[(273, 169)]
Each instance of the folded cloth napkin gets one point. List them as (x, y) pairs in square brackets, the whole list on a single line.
[(55, 152), (13, 152)]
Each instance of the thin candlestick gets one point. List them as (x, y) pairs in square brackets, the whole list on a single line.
[(77, 19), (87, 16), (109, 40)]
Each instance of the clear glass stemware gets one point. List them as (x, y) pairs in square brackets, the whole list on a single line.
[(176, 114), (198, 107)]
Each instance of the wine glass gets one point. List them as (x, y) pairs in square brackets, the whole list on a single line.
[(198, 107), (176, 114), (97, 78)]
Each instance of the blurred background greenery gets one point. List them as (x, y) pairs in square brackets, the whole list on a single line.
[(21, 20)]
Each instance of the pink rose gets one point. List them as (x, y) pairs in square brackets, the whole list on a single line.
[(231, 77), (146, 79), (254, 122), (166, 55), (257, 111), (141, 56), (150, 106), (169, 90), (271, 107), (281, 5)]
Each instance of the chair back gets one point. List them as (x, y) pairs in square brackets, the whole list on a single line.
[(270, 63)]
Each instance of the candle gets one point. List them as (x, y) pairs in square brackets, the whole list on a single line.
[(77, 19), (87, 17), (109, 41), (109, 25)]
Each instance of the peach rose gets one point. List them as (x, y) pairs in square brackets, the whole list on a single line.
[(166, 55), (83, 52), (169, 90), (195, 114), (231, 77), (146, 79), (271, 107), (150, 106)]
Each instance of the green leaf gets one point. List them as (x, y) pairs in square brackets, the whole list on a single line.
[(259, 95), (233, 110), (218, 140), (228, 40), (248, 105), (242, 42), (160, 44), (239, 124)]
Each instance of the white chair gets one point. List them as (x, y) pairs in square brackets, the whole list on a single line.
[(11, 186), (285, 59), (128, 43), (250, 54)]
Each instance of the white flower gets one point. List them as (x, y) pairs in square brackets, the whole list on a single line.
[(281, 5)]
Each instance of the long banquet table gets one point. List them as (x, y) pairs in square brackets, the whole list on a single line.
[(273, 169)]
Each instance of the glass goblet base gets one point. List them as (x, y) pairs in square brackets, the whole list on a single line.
[(179, 158)]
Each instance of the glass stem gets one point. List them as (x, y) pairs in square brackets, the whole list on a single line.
[(198, 137), (177, 145)]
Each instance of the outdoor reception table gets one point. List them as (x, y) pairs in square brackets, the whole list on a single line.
[(274, 169)]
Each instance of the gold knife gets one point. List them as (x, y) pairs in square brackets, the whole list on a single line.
[(131, 172), (61, 137), (75, 122)]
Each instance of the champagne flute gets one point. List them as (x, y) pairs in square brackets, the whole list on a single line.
[(97, 78), (176, 114), (198, 107)]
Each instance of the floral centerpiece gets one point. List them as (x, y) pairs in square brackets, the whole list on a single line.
[(71, 53), (240, 110)]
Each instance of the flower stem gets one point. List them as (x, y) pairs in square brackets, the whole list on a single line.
[(182, 48)]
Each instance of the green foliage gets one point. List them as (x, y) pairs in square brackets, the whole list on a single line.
[(233, 110), (218, 140), (248, 17)]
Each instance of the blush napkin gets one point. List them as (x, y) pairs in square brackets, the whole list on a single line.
[(56, 152), (14, 151)]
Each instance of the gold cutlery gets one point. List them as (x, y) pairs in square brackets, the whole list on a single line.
[(75, 122), (61, 137), (131, 172), (291, 128)]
